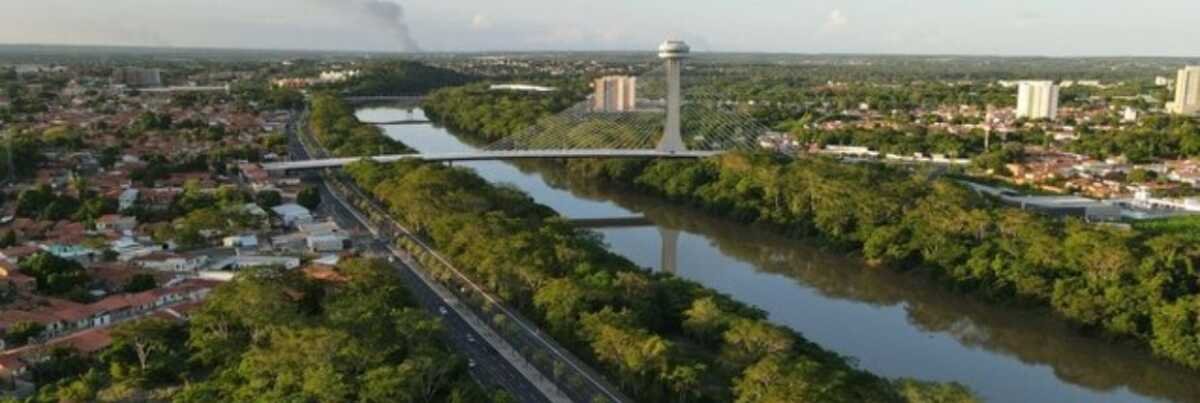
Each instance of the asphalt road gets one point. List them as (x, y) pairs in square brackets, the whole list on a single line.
[(491, 369)]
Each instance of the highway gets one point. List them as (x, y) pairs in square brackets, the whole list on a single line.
[(491, 368)]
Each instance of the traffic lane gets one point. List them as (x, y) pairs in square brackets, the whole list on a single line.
[(490, 367)]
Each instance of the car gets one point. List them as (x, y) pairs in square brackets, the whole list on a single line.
[(442, 310), (470, 338), (471, 363)]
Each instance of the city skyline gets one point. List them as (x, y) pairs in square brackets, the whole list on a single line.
[(928, 27)]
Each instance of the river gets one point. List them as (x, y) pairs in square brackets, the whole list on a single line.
[(893, 324)]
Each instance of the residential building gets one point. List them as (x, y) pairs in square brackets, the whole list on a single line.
[(115, 222), (137, 77), (615, 94), (239, 262), (292, 214), (1037, 100), (78, 253), (127, 199), (240, 241), (169, 261), (327, 243), (1187, 92)]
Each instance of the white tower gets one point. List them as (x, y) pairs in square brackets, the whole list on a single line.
[(673, 53)]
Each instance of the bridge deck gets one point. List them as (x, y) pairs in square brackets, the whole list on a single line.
[(486, 156)]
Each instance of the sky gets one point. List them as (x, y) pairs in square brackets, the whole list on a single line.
[(974, 27)]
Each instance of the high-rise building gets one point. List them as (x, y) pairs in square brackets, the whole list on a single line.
[(615, 94), (1037, 100), (1187, 92), (137, 77)]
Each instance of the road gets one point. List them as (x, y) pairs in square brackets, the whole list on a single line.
[(491, 368)]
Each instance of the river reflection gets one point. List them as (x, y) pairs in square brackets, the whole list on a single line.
[(894, 324)]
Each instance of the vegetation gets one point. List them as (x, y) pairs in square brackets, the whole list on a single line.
[(1134, 284), (57, 276), (273, 335), (309, 197), (400, 78), (492, 114), (660, 337), (333, 123)]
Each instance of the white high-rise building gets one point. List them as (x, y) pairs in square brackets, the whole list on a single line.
[(615, 94), (1187, 92), (1037, 100)]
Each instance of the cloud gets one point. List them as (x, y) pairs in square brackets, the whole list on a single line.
[(481, 22), (835, 21)]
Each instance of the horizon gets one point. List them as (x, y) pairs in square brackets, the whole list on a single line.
[(1020, 28), (649, 51)]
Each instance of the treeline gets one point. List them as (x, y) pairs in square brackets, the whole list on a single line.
[(492, 114), (1155, 137), (661, 338), (333, 123), (400, 78), (273, 335), (1127, 283)]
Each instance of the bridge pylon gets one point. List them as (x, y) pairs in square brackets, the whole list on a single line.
[(673, 53)]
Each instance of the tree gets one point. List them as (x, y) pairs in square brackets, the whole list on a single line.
[(140, 282), (156, 346), (310, 198), (55, 275), (268, 198), (19, 333)]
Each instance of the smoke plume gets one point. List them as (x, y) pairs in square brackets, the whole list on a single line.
[(382, 14)]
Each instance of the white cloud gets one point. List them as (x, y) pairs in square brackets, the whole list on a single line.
[(835, 21), (481, 22)]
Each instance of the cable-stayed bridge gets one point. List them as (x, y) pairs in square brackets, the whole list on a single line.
[(613, 123)]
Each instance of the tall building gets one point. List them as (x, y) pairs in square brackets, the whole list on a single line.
[(137, 77), (673, 54), (615, 94), (1187, 92), (1037, 100)]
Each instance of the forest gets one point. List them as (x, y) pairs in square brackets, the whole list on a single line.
[(659, 337), (274, 335)]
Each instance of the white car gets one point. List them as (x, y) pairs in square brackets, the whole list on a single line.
[(442, 310)]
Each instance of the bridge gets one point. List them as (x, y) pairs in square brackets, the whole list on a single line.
[(385, 98), (402, 122), (332, 163), (611, 124)]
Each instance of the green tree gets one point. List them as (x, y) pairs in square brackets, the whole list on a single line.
[(310, 198)]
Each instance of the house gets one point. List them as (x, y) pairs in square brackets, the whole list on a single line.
[(327, 243), (16, 254), (172, 262), (240, 241), (115, 222), (239, 262), (127, 199), (78, 253), (292, 214), (11, 279)]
